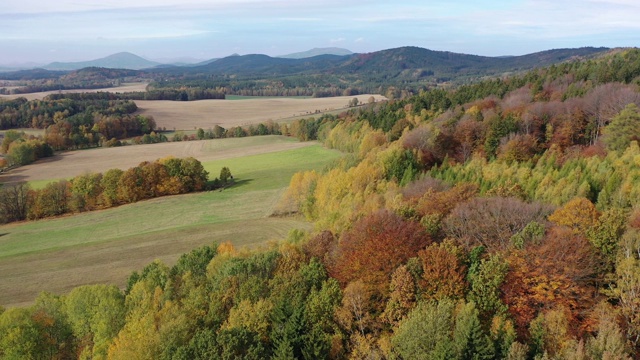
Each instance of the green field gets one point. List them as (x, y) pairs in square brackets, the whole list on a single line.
[(105, 246)]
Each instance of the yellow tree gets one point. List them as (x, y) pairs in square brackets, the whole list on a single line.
[(579, 214)]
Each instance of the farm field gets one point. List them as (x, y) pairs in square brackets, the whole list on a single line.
[(126, 87), (105, 246), (71, 163), (190, 115)]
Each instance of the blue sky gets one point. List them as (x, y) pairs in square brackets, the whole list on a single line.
[(42, 31)]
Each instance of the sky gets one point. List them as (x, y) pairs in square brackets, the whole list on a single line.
[(42, 31)]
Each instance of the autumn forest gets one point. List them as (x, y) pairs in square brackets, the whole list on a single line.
[(498, 219)]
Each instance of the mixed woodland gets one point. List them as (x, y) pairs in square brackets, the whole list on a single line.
[(495, 220)]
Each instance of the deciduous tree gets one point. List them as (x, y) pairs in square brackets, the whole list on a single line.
[(374, 247)]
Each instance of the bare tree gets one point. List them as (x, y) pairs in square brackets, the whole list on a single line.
[(605, 101), (492, 222), (13, 202)]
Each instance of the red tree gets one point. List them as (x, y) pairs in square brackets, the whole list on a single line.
[(375, 246)]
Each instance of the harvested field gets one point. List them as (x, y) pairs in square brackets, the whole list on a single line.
[(127, 87), (71, 163), (183, 115)]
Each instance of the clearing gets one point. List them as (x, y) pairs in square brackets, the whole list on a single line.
[(105, 246)]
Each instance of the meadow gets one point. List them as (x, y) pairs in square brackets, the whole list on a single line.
[(105, 246), (72, 163)]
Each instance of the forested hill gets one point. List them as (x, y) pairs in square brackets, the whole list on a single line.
[(407, 66), (400, 63)]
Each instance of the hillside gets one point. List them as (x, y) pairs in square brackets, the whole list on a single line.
[(415, 63), (123, 60)]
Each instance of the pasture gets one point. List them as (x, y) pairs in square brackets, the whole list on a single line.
[(105, 246), (72, 163), (190, 115)]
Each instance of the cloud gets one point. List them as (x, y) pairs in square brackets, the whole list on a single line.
[(338, 40), (359, 40), (550, 20)]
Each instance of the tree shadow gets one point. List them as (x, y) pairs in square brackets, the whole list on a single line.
[(240, 183), (234, 185)]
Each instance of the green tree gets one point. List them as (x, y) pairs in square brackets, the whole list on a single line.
[(9, 137), (19, 336), (225, 175), (623, 128), (96, 314), (109, 184), (485, 286), (469, 340), (195, 261), (426, 332), (21, 153), (49, 315), (85, 191)]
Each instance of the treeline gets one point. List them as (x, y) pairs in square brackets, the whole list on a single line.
[(303, 129), (169, 176), (39, 114), (54, 86), (309, 85), (174, 94), (79, 121)]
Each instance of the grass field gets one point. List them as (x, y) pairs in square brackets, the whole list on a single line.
[(106, 246), (190, 115), (71, 163)]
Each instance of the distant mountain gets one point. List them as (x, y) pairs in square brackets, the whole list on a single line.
[(317, 51), (178, 61), (123, 60), (399, 64)]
